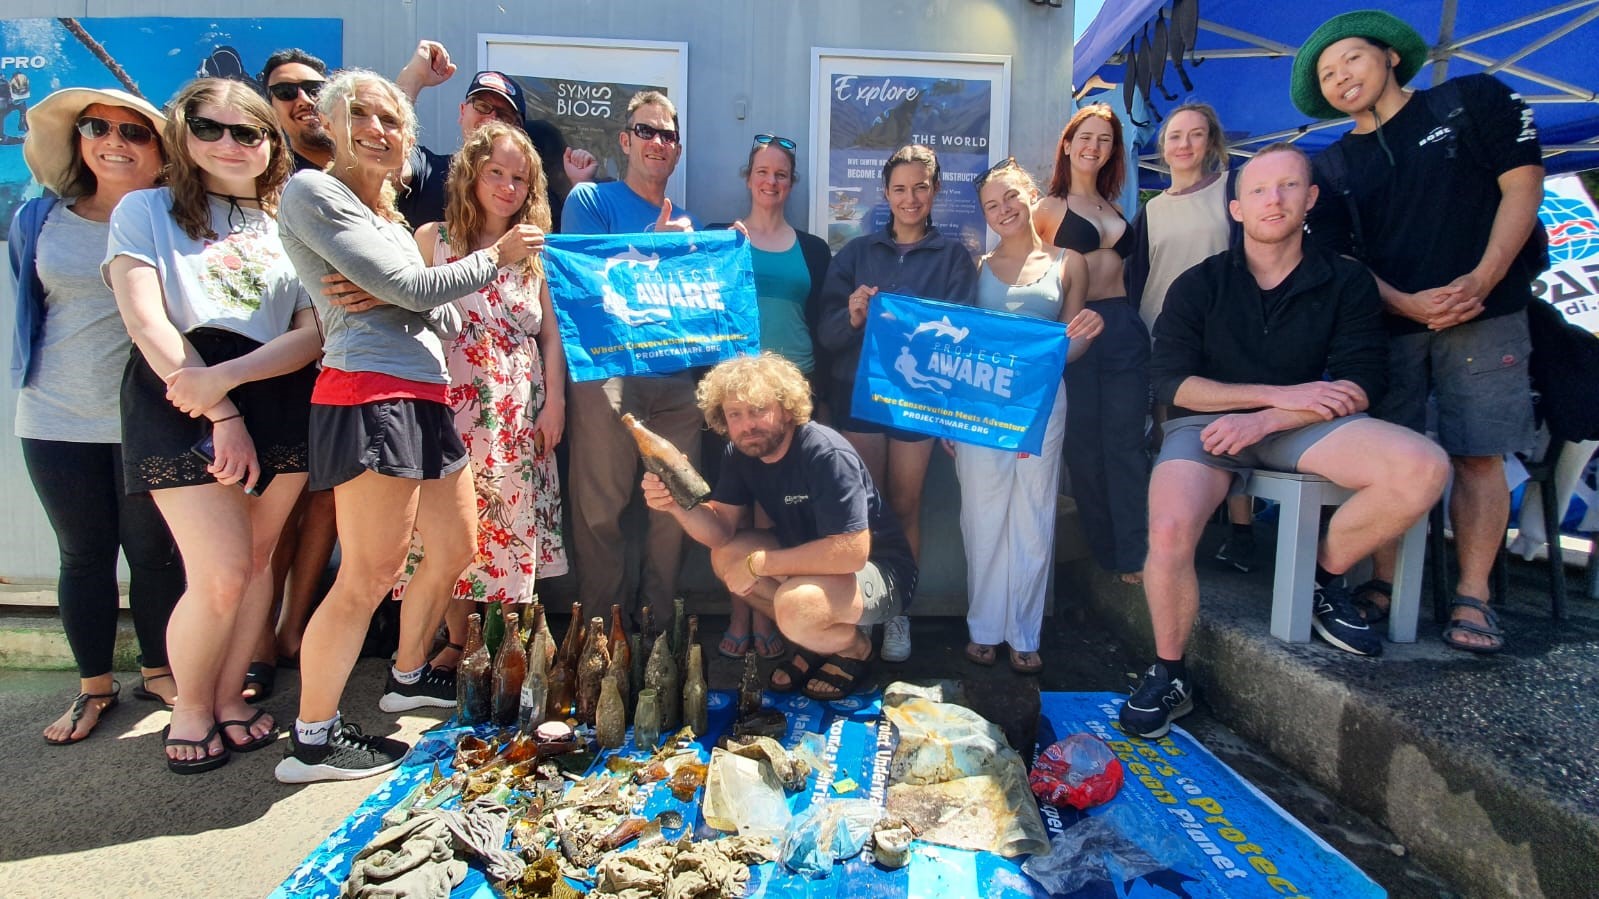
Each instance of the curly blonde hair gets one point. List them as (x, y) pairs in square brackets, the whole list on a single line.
[(338, 94), (758, 380), (191, 207), (464, 219)]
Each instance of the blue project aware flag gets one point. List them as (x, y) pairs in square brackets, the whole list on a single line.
[(972, 375), (652, 303)]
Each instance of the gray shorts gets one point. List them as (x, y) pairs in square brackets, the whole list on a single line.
[(1277, 452), (1477, 374), (882, 596)]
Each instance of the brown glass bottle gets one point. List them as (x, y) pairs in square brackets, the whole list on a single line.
[(610, 716), (749, 688), (695, 696), (669, 464), (619, 670), (510, 667), (639, 656), (679, 635), (619, 645), (591, 670), (473, 703), (563, 677), (661, 675)]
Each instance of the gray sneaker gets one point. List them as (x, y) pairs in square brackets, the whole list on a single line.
[(896, 639)]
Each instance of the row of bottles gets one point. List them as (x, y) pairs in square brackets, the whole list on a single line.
[(593, 675)]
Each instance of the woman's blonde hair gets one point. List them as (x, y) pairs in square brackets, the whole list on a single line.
[(1215, 141), (464, 218), (337, 95), (758, 380), (191, 207)]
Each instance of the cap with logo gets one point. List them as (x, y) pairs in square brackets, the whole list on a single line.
[(500, 84)]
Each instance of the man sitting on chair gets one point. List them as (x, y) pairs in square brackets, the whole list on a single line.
[(1269, 354), (835, 558)]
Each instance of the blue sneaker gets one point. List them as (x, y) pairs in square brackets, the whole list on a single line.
[(1340, 623), (1158, 701)]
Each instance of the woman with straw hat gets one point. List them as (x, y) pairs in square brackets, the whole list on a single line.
[(89, 148)]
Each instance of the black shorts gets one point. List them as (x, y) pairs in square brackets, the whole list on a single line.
[(842, 396), (156, 437), (400, 438)]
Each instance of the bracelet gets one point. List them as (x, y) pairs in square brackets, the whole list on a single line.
[(217, 421), (749, 562)]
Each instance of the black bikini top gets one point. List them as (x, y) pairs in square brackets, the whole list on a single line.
[(1078, 233)]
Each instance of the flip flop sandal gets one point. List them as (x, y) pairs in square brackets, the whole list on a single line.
[(732, 647), (770, 646), (796, 676), (252, 744), (149, 695), (1026, 662), (1373, 613), (1490, 630), (981, 654), (80, 704), (261, 677), (844, 681), (196, 766)]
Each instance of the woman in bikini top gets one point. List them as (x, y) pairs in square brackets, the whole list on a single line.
[(1079, 213)]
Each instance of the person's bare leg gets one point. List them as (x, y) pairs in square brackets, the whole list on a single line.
[(1479, 507), (376, 514), (1240, 510), (873, 450), (315, 537), (211, 525), (1182, 494), (266, 645), (456, 613), (1396, 474), (267, 515), (446, 522), (907, 472)]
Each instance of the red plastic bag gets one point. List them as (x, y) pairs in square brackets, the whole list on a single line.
[(1079, 771)]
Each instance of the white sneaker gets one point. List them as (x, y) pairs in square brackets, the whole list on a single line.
[(896, 639)]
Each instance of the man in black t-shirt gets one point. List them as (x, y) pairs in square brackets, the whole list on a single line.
[(292, 79), (835, 558), (1437, 191), (1268, 354)]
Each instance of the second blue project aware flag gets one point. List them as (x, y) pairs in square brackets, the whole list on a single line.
[(634, 304), (974, 376)]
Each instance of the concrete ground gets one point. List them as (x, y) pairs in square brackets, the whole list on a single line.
[(105, 817)]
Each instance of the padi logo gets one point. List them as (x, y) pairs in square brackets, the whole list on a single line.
[(794, 499), (717, 700), (1442, 132), (656, 290)]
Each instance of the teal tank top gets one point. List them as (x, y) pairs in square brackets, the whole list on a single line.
[(1039, 299)]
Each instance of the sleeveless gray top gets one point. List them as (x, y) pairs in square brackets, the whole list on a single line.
[(1039, 299)]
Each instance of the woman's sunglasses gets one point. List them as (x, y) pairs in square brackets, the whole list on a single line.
[(210, 131), (289, 91), (650, 132), (94, 128), (1008, 162), (785, 143)]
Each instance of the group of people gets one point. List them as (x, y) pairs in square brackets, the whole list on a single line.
[(320, 327)]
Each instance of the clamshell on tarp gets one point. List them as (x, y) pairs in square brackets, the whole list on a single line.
[(954, 778)]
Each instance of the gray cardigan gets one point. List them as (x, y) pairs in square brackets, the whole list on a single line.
[(325, 229)]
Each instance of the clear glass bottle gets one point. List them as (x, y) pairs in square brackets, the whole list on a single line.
[(696, 710), (647, 720), (535, 687)]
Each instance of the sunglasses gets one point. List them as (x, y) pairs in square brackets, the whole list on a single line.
[(288, 91), (210, 131), (650, 132), (1008, 162), (785, 143), (94, 128), (484, 107)]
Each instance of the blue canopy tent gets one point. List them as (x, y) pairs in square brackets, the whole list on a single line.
[(1242, 53)]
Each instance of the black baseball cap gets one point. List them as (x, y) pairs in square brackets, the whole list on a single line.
[(502, 85)]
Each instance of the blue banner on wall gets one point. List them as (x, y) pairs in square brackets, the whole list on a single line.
[(972, 375), (632, 304), (151, 57)]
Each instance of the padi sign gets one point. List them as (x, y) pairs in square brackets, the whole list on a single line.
[(974, 376), (631, 304)]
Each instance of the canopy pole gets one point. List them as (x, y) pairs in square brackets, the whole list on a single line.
[(1446, 33), (1545, 41)]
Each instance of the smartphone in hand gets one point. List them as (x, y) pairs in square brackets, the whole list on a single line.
[(206, 449)]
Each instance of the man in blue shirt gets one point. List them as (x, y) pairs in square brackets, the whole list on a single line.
[(605, 462)]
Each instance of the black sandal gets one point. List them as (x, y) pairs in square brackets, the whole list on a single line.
[(796, 676), (1373, 613), (251, 744), (149, 695), (845, 680), (1490, 630), (261, 678), (208, 762), (80, 704)]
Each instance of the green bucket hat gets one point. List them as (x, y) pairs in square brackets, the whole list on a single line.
[(1367, 23)]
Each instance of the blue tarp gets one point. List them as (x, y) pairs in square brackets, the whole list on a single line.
[(1550, 64)]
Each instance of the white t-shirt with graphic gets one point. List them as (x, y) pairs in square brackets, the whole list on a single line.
[(241, 281)]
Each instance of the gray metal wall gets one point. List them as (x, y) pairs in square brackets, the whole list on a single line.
[(754, 52)]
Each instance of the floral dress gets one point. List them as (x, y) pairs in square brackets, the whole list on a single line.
[(497, 391)]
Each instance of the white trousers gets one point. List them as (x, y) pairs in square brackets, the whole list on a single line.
[(1008, 525)]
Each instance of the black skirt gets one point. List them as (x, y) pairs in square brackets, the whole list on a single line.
[(401, 438), (156, 437)]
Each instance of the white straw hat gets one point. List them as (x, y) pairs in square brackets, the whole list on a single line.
[(52, 122)]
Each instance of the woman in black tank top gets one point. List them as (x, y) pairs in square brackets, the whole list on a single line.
[(1108, 388)]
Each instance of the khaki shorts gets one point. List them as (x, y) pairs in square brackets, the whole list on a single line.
[(1278, 452)]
